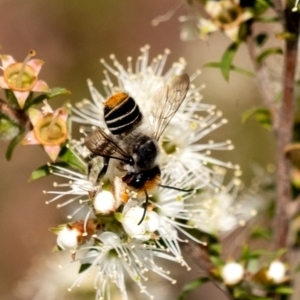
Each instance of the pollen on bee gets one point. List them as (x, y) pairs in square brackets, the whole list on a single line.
[(116, 99)]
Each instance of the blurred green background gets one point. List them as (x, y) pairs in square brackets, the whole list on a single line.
[(71, 37)]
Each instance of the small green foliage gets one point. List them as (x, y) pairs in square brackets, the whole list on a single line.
[(57, 91), (261, 232), (83, 267), (57, 229), (227, 58), (12, 145), (68, 156), (261, 39), (261, 6), (118, 216), (261, 114), (11, 99), (264, 54), (191, 286), (267, 19), (45, 170), (8, 129), (283, 290), (232, 68)]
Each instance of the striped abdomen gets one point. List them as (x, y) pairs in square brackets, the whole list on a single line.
[(121, 113)]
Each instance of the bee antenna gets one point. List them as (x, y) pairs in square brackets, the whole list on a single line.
[(175, 188), (145, 209)]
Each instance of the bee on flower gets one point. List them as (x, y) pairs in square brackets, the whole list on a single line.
[(138, 190)]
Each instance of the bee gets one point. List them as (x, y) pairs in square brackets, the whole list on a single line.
[(129, 140)]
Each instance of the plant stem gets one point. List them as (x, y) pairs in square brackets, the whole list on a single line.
[(17, 116), (284, 131)]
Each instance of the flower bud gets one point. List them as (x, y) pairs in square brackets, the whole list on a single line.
[(232, 273), (276, 272), (130, 223), (104, 203), (68, 238)]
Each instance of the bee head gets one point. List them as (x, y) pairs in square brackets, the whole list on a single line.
[(145, 180)]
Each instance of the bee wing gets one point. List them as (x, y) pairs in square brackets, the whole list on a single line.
[(102, 144), (166, 102)]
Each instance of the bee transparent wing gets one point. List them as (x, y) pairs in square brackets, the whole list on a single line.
[(100, 143), (167, 101)]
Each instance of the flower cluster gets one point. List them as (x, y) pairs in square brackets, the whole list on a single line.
[(114, 229)]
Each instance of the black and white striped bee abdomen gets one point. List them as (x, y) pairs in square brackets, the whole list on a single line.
[(121, 114)]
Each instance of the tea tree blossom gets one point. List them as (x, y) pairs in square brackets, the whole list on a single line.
[(223, 15), (22, 78), (224, 208), (112, 258), (49, 129)]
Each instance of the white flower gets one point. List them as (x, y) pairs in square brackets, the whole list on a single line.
[(67, 238), (113, 258), (80, 190), (105, 203), (132, 216), (76, 191), (232, 273), (276, 272), (223, 209)]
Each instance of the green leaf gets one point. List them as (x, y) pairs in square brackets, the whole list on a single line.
[(14, 142), (83, 267), (191, 286), (261, 6), (260, 298), (58, 229), (45, 170), (68, 156), (232, 68), (217, 260), (261, 39), (118, 216), (215, 249), (271, 51), (11, 98), (261, 114), (227, 58), (248, 254), (285, 290), (261, 232), (57, 91), (267, 19), (39, 173)]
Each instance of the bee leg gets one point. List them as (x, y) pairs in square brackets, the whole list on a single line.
[(145, 208), (103, 170), (89, 160)]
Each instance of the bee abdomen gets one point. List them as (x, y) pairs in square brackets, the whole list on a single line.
[(121, 113)]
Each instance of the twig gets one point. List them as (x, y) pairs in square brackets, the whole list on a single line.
[(16, 116), (199, 254), (284, 130), (263, 81)]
